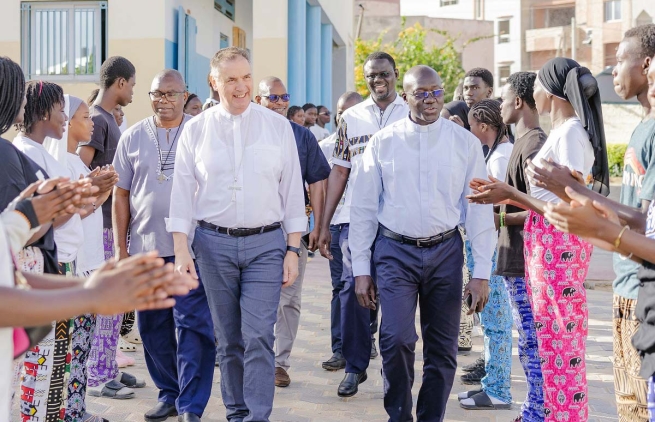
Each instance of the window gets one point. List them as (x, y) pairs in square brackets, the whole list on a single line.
[(64, 40), (479, 9), (226, 7), (503, 31), (443, 3), (225, 41), (503, 73), (238, 37), (612, 10)]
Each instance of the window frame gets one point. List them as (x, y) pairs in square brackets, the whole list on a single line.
[(614, 17), (504, 38), (444, 3), (29, 40)]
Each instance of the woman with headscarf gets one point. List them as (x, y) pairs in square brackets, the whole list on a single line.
[(557, 262)]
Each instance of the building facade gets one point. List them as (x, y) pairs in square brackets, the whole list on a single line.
[(307, 43)]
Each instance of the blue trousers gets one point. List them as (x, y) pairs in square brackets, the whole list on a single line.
[(336, 270), (532, 409), (433, 277), (358, 324), (182, 366), (243, 280)]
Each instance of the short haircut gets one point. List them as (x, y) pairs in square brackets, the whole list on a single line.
[(292, 111), (308, 106), (646, 36), (41, 98), (171, 73), (483, 73), (351, 96), (115, 68), (381, 55), (225, 55), (522, 84), (264, 87)]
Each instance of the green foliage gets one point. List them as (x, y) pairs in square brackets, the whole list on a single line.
[(615, 154), (410, 50)]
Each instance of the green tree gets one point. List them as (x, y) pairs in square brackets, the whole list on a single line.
[(409, 50)]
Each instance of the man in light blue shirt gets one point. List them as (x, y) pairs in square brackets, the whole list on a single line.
[(411, 187)]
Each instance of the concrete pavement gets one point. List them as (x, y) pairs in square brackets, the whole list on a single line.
[(312, 393)]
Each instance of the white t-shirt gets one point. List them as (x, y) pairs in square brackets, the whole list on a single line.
[(92, 253), (567, 145), (69, 236), (319, 132), (497, 163)]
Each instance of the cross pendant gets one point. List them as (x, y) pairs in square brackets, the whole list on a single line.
[(161, 177), (234, 188)]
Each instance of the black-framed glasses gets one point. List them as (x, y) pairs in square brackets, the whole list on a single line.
[(383, 75), (424, 95), (275, 98), (170, 96)]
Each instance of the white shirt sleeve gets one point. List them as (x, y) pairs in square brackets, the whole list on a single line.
[(570, 148), (497, 166), (184, 188), (479, 220), (364, 209), (291, 186)]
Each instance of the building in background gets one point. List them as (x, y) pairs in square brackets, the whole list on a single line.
[(307, 43), (383, 17)]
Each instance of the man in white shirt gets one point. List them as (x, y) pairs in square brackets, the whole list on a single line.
[(356, 127), (413, 179), (336, 361), (237, 174)]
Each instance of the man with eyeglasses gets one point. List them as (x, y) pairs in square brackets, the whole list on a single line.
[(356, 127), (178, 343), (314, 170), (408, 199), (323, 118)]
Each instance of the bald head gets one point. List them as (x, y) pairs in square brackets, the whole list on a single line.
[(268, 83), (168, 96), (273, 95), (170, 75), (424, 94), (347, 100), (420, 75)]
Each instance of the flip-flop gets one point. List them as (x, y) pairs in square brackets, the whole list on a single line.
[(113, 390), (130, 380), (482, 401), (467, 394)]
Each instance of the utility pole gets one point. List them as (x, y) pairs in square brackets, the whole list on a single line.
[(359, 22), (574, 38)]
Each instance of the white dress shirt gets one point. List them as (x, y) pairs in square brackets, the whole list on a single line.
[(413, 179), (327, 147), (319, 132), (260, 148), (357, 125)]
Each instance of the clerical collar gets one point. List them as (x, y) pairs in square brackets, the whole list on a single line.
[(224, 113), (415, 127)]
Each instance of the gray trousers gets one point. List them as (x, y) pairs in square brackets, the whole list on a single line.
[(288, 316), (243, 278)]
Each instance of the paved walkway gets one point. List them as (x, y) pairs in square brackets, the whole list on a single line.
[(312, 393)]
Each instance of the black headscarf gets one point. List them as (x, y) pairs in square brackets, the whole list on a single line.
[(566, 79)]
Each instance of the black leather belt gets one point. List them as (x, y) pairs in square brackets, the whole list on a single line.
[(238, 232), (423, 242)]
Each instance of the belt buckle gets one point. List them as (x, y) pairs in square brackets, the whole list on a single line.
[(228, 231), (421, 239)]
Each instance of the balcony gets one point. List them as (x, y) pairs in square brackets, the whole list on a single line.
[(548, 39)]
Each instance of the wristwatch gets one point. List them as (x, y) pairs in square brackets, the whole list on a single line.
[(294, 250)]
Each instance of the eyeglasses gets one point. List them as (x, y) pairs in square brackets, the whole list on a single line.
[(170, 96), (325, 113), (424, 95), (383, 75), (275, 98)]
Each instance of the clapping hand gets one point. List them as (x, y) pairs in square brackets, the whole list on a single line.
[(492, 191), (58, 196), (553, 177)]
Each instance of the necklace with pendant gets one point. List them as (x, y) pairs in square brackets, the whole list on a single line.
[(161, 161)]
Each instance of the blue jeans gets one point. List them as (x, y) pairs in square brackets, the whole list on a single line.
[(336, 270), (433, 277), (181, 367), (243, 280)]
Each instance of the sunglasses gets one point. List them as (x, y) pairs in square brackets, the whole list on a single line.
[(325, 113), (275, 98), (424, 95)]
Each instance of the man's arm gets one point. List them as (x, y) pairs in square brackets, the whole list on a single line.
[(121, 220), (87, 150), (336, 185), (318, 170), (316, 201)]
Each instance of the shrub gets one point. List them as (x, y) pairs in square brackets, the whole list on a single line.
[(615, 154)]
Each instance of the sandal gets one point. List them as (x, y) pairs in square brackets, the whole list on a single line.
[(113, 390), (482, 401), (467, 394), (130, 380), (125, 346)]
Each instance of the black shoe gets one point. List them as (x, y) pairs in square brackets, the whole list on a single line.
[(160, 412), (349, 384), (188, 417), (479, 363), (474, 377), (374, 350), (335, 363), (464, 351)]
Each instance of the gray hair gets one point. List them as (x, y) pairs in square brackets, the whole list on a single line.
[(225, 55), (170, 73)]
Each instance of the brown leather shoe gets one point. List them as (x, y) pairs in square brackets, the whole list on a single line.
[(281, 378)]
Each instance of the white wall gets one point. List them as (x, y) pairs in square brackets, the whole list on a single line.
[(463, 10)]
